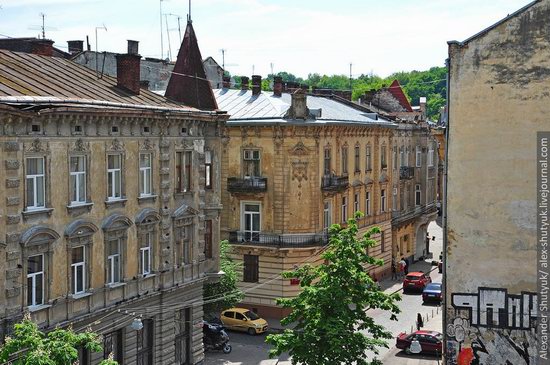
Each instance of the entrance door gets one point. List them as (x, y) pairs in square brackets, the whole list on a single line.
[(251, 222)]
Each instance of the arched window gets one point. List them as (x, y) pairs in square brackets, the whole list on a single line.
[(115, 229), (147, 229), (79, 236)]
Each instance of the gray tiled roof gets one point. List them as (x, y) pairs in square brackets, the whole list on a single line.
[(243, 107)]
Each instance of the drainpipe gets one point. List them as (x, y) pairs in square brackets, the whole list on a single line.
[(444, 207)]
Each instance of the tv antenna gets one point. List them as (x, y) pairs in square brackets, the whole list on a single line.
[(168, 36), (43, 28), (96, 49), (179, 25)]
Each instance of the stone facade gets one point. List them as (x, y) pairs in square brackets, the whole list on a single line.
[(180, 229), (499, 87)]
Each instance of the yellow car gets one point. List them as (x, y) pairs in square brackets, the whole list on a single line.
[(242, 319)]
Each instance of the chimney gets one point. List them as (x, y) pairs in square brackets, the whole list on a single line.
[(298, 105), (43, 47), (277, 86), (256, 84), (144, 84), (423, 106), (244, 83), (128, 70), (226, 82), (75, 47)]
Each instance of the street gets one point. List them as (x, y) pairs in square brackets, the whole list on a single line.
[(252, 350)]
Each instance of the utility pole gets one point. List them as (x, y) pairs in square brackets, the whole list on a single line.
[(161, 40), (350, 77), (43, 26)]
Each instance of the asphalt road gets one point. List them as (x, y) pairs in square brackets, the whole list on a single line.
[(252, 350)]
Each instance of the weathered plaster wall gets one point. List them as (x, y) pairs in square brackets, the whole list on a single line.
[(499, 97)]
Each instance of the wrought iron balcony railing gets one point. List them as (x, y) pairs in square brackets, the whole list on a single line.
[(247, 185), (334, 183), (406, 172), (279, 240)]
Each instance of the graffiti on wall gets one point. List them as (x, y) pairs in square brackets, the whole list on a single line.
[(492, 327)]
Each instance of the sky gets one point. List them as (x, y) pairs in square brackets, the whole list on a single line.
[(258, 36)]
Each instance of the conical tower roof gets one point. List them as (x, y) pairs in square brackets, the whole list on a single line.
[(188, 83)]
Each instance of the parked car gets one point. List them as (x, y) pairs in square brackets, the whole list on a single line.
[(430, 341), (242, 319), (416, 281), (433, 292)]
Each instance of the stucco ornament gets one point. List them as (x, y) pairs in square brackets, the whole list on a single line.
[(116, 145), (81, 146), (38, 146)]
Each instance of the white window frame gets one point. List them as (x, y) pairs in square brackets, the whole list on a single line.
[(145, 176), (418, 156), (344, 212), (327, 215), (401, 156), (431, 155), (145, 255), (250, 213), (407, 156), (79, 179), (252, 157), (367, 203), (417, 195), (382, 200), (32, 178), (356, 198), (33, 276), (111, 176), (369, 158), (394, 157), (111, 265), (74, 272)]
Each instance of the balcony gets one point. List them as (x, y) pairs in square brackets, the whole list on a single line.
[(406, 172), (247, 185), (279, 240), (334, 183)]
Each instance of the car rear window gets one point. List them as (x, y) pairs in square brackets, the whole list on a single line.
[(412, 277), (229, 314), (433, 287)]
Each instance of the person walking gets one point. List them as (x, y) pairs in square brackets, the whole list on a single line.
[(406, 266), (402, 266), (419, 321), (393, 269)]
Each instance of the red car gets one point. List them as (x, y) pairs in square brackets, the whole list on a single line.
[(430, 341), (416, 280)]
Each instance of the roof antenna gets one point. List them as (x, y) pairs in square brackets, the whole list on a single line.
[(189, 15)]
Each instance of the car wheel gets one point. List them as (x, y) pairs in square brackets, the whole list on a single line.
[(251, 331), (227, 348)]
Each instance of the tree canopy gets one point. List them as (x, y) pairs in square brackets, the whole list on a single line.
[(330, 313)]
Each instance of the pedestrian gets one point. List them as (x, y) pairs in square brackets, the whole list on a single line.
[(419, 321), (406, 266), (393, 269), (376, 283), (402, 266)]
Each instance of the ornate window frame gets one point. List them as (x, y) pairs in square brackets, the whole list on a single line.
[(115, 227), (147, 221), (80, 233)]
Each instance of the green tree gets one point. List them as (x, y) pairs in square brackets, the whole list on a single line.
[(225, 293), (30, 346), (330, 313)]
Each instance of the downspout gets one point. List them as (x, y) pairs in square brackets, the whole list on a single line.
[(444, 207)]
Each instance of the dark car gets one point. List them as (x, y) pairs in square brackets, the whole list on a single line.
[(433, 292), (430, 341), (416, 281)]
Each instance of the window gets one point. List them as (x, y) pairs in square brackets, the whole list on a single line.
[(112, 344), (327, 161), (183, 171), (183, 336), (367, 203), (356, 202), (36, 187), (382, 242), (78, 179), (418, 156), (357, 158), (114, 176), (394, 200), (407, 156), (208, 238), (251, 163), (408, 243), (383, 162), (394, 157), (208, 169), (145, 254), (401, 156), (78, 129), (368, 161), (35, 280), (382, 200), (78, 270), (344, 209), (431, 156), (145, 343), (251, 268), (113, 261), (327, 216), (183, 233), (35, 128), (145, 177), (417, 195), (344, 160), (251, 222), (114, 129)]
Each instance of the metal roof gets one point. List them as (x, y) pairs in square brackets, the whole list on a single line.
[(32, 79), (266, 108)]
